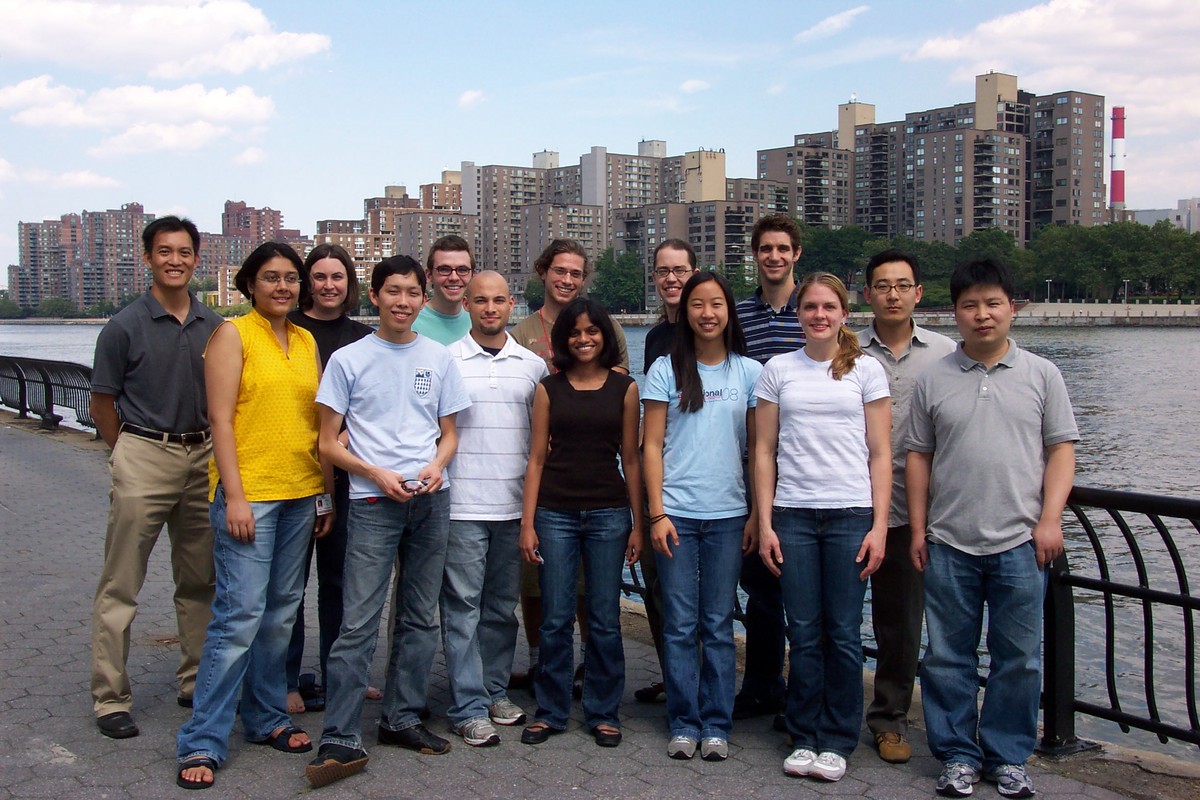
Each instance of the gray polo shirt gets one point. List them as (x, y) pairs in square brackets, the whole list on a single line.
[(988, 430), (154, 366), (924, 348)]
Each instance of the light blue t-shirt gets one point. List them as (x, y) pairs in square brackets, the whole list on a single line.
[(392, 396), (702, 451), (442, 328)]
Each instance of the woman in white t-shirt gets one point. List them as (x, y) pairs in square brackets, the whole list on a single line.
[(699, 417), (823, 483)]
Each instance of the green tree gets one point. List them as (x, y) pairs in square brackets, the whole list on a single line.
[(10, 310), (56, 308), (842, 251), (535, 293), (620, 282)]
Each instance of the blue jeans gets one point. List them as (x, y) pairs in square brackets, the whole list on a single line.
[(699, 581), (957, 587), (379, 528), (258, 589), (600, 536), (824, 600), (478, 613), (331, 556)]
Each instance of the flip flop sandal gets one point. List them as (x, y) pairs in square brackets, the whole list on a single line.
[(202, 761), (281, 741)]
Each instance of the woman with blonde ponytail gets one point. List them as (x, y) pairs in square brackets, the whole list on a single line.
[(823, 478)]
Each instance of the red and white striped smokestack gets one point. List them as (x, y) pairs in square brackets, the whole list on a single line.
[(1117, 181)]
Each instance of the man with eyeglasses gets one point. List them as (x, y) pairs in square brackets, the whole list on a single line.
[(150, 407), (892, 286), (449, 268)]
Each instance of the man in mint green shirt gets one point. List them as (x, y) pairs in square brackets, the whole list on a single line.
[(449, 267)]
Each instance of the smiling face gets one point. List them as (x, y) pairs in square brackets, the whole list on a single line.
[(488, 303), (671, 270), (330, 286), (984, 315), (707, 312), (821, 314), (564, 278), (276, 288), (399, 301), (585, 341), (891, 305), (449, 275), (172, 260), (776, 257)]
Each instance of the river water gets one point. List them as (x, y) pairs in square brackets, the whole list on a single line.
[(1136, 395)]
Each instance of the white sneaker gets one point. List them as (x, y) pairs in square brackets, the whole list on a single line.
[(1011, 780), (829, 767), (714, 748), (957, 780), (799, 763), (478, 733), (506, 712), (681, 747)]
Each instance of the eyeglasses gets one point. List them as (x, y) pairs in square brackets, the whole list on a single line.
[(291, 279), (446, 271), (678, 272), (563, 272), (413, 485), (904, 287)]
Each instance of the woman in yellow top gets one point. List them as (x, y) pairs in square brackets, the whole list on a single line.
[(268, 495)]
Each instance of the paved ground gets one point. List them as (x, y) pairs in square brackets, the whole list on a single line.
[(53, 490)]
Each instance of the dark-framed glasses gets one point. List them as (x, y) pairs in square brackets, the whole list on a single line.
[(883, 287)]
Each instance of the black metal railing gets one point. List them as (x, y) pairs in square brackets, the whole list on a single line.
[(39, 386), (1125, 570)]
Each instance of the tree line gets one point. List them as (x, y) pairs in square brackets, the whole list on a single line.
[(1159, 262)]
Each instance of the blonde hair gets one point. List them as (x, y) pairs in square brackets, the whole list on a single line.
[(847, 342)]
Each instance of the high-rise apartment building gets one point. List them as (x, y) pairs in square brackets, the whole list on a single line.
[(1067, 178), (443, 196), (495, 193), (41, 268), (257, 224)]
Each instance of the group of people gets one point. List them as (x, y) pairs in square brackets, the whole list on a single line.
[(769, 446)]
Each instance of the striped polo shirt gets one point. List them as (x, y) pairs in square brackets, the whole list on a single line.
[(769, 332)]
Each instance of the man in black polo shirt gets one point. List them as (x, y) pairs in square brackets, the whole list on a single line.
[(149, 406), (771, 327)]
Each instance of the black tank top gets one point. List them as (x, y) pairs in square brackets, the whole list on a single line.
[(581, 471)]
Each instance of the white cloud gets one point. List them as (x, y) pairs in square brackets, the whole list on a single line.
[(777, 88), (857, 52), (155, 136), (7, 171), (78, 179), (163, 38), (249, 156), (831, 25), (694, 85), (471, 98), (1141, 55)]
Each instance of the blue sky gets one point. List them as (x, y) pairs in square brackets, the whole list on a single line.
[(309, 107)]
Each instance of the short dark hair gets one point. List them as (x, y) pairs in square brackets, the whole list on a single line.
[(261, 255), (558, 247), (772, 223), (981, 272), (336, 251), (396, 265), (450, 243), (610, 354), (887, 257), (675, 244), (170, 224)]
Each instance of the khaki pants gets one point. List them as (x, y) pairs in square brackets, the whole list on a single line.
[(153, 483)]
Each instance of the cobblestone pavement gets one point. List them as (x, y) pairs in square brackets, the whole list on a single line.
[(53, 498)]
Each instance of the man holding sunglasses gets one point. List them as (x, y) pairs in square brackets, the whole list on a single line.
[(449, 268)]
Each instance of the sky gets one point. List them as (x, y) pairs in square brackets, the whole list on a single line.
[(309, 106)]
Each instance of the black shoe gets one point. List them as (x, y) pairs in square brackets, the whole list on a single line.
[(779, 724), (605, 738), (334, 762), (417, 738), (117, 725), (424, 713), (184, 702), (654, 693), (746, 706), (538, 732)]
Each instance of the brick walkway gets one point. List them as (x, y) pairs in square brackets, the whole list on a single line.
[(53, 497)]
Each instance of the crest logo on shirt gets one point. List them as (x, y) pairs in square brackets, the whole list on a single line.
[(422, 381)]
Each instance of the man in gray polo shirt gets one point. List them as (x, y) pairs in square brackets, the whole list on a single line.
[(990, 464), (893, 288), (149, 406)]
